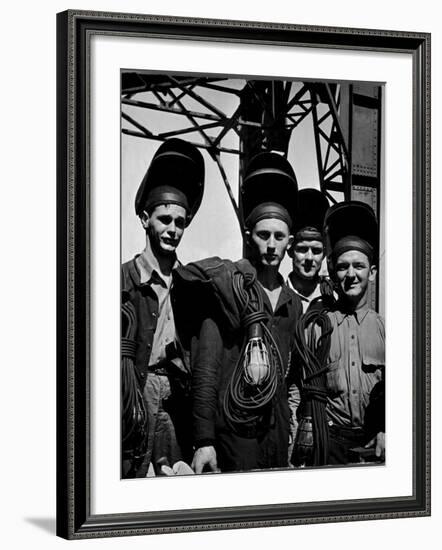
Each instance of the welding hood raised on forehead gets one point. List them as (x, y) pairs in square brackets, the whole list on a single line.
[(177, 172), (269, 178), (312, 207), (354, 221)]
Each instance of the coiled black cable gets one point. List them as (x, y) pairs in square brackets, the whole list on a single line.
[(134, 416), (312, 341), (244, 404)]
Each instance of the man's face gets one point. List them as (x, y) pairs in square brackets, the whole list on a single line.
[(353, 273), (165, 227), (307, 256), (268, 242)]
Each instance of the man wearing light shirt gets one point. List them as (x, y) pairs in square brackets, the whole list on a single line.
[(307, 251), (355, 374), (153, 383)]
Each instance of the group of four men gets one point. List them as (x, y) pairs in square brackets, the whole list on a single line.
[(210, 364)]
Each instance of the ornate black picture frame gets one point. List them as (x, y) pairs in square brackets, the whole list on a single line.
[(74, 517)]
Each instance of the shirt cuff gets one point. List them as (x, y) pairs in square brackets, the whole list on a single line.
[(204, 443)]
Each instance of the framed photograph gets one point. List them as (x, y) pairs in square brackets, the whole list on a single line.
[(243, 274)]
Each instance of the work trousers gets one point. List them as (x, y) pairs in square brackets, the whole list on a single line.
[(341, 440), (162, 441)]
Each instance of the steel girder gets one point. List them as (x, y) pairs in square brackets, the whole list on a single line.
[(256, 115)]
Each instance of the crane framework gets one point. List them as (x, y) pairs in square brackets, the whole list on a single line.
[(345, 119), (240, 117)]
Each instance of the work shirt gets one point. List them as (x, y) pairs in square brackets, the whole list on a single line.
[(356, 368), (163, 389), (144, 297), (164, 334)]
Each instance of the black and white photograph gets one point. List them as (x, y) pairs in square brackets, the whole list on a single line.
[(222, 240), (243, 275), (253, 274)]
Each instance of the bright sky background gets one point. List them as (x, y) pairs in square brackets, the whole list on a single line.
[(214, 230)]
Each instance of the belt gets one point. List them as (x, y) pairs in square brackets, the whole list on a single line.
[(157, 369), (346, 430)]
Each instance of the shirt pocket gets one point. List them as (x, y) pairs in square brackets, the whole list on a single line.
[(374, 370), (370, 380), (336, 379), (372, 349)]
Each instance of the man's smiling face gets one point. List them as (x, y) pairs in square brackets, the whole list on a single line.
[(353, 272), (307, 256)]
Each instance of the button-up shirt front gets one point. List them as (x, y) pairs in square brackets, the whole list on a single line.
[(164, 334), (357, 361)]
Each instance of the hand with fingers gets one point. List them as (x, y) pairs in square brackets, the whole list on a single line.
[(378, 442), (205, 456)]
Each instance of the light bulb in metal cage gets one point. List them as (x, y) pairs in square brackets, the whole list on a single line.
[(256, 360)]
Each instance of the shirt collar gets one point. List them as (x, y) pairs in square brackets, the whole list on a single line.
[(315, 294), (359, 314), (147, 269), (284, 296)]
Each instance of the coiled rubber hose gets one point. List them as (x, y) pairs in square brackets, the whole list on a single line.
[(312, 341), (134, 416), (245, 403)]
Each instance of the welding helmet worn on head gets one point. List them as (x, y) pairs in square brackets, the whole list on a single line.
[(269, 190), (351, 225), (312, 206), (175, 176)]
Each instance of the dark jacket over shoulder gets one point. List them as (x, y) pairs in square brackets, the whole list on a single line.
[(215, 351)]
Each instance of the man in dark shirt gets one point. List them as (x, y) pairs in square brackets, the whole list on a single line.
[(153, 367), (230, 432)]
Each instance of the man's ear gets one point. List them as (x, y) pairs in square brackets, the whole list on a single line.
[(373, 272), (291, 246), (331, 269), (247, 237), (144, 218)]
